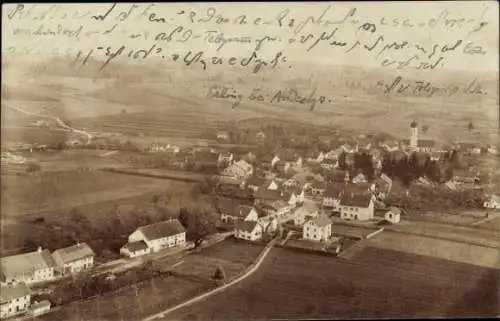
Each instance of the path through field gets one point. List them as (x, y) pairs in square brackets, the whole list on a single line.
[(59, 122), (248, 273)]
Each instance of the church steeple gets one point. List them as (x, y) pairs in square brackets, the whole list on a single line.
[(414, 135)]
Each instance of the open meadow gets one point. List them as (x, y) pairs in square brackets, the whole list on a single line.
[(378, 283), (65, 190), (434, 246)]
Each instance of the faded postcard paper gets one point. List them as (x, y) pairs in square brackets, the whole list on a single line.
[(230, 161)]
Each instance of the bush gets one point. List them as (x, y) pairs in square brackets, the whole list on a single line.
[(220, 273)]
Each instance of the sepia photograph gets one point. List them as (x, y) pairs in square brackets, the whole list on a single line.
[(210, 161)]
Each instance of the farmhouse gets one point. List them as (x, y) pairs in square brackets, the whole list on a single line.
[(280, 208), (269, 161), (74, 259), (331, 196), (391, 146), (359, 179), (29, 268), (14, 299), (293, 196), (290, 157), (318, 158), (493, 202), (135, 249), (317, 188), (381, 186), (334, 154), (271, 185), (318, 229), (464, 177), (239, 213), (248, 230), (469, 148), (357, 207), (159, 236), (302, 213), (329, 164), (263, 195), (393, 215), (283, 167), (255, 182), (225, 157)]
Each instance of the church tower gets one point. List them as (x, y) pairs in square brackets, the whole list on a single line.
[(414, 135)]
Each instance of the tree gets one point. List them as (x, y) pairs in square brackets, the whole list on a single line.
[(470, 126), (342, 161), (425, 128), (220, 273), (183, 217), (199, 223)]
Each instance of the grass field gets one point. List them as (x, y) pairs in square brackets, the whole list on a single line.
[(438, 248), (381, 283), (54, 190), (149, 297)]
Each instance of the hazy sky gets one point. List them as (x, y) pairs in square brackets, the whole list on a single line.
[(420, 15)]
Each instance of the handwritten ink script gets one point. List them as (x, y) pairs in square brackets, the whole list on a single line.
[(385, 35), (262, 39)]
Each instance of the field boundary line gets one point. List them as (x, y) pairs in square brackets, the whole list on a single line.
[(251, 269)]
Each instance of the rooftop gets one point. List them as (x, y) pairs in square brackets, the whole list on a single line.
[(246, 226), (27, 263), (395, 210), (162, 229), (321, 221), (356, 200), (136, 246), (333, 190), (73, 253)]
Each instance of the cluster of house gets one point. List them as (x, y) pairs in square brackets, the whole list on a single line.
[(308, 201), (19, 272)]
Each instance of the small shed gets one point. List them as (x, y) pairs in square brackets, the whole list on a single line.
[(393, 215), (39, 308)]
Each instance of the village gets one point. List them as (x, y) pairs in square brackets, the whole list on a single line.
[(327, 201)]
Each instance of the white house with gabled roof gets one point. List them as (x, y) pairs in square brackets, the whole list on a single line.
[(159, 236), (317, 229)]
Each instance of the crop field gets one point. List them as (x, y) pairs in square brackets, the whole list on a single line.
[(54, 190), (437, 248), (381, 283), (470, 234)]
